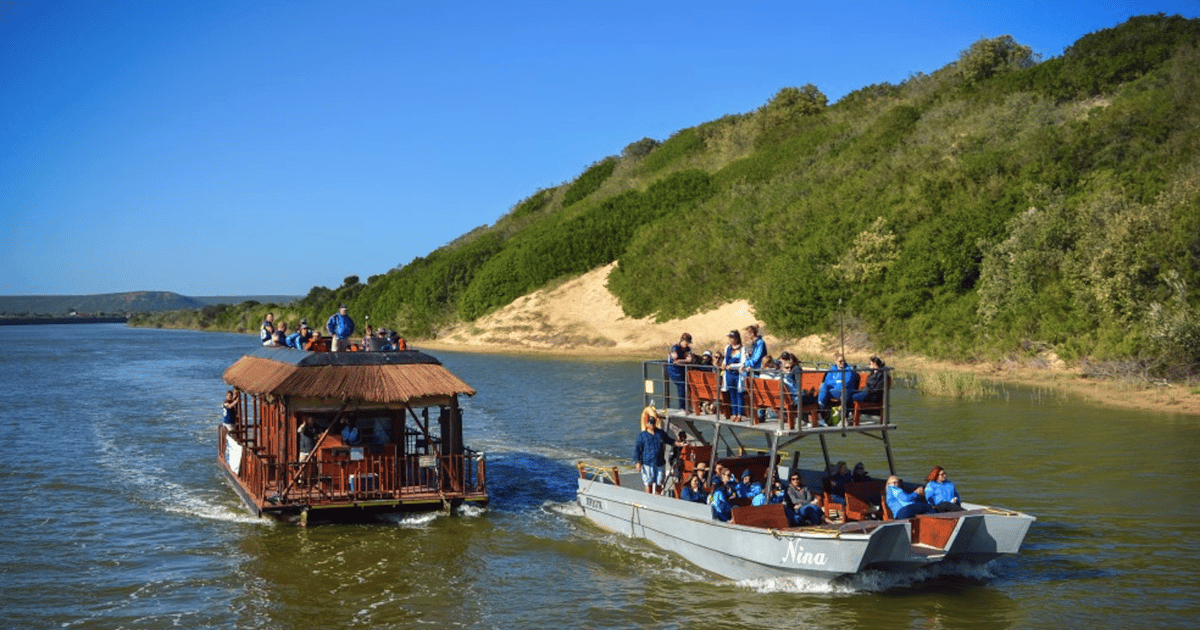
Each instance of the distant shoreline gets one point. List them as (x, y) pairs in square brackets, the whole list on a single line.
[(30, 321)]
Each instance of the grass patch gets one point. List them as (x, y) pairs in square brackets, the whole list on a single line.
[(950, 384)]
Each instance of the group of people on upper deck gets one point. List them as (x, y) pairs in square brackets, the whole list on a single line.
[(340, 327), (746, 356)]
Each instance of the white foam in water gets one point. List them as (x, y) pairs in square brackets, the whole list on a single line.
[(415, 520), (869, 581), (471, 511), (565, 508), (796, 585)]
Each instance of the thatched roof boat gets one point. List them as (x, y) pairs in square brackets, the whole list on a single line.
[(347, 433)]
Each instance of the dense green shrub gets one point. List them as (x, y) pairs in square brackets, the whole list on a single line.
[(590, 181)]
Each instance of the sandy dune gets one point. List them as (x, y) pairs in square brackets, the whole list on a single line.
[(582, 316)]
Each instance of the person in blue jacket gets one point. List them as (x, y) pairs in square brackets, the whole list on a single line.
[(940, 493), (340, 326), (839, 380), (721, 509), (905, 504), (748, 487), (648, 455), (755, 355), (693, 491), (733, 380)]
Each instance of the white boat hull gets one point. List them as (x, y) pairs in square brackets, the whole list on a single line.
[(742, 552)]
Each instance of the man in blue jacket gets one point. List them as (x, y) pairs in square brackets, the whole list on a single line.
[(648, 455), (340, 326), (839, 380)]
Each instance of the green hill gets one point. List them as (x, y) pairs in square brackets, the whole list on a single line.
[(1000, 205)]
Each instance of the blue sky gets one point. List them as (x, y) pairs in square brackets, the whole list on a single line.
[(243, 148)]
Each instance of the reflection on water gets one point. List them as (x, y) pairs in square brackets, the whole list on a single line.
[(120, 519)]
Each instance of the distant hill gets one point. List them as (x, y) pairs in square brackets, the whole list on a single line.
[(118, 303)]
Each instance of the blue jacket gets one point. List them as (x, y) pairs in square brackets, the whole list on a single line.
[(897, 498), (936, 492), (695, 496), (340, 326), (293, 341), (649, 448), (721, 509), (758, 352), (837, 377)]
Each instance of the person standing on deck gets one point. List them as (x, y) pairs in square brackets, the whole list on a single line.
[(680, 356), (648, 455), (754, 359), (340, 327), (733, 381)]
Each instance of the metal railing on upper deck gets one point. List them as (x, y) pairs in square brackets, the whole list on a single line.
[(772, 398)]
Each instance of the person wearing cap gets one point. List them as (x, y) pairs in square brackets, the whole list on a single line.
[(701, 471), (648, 455), (340, 327), (678, 358), (734, 381)]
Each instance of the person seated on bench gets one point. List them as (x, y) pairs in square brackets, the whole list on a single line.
[(791, 379), (801, 503), (839, 378), (748, 487), (701, 471), (775, 495), (693, 491), (837, 483), (719, 499), (860, 473), (940, 493), (905, 504), (876, 383)]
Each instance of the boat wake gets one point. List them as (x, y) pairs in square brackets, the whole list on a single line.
[(148, 480), (562, 508), (411, 521)]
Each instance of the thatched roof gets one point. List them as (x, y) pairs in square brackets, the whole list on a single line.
[(382, 377)]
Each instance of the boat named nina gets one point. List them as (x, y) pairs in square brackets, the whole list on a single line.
[(761, 541)]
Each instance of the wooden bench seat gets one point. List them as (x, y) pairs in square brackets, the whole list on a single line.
[(772, 394), (860, 498), (703, 387), (770, 516)]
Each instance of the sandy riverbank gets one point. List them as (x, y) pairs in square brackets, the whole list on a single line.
[(581, 317)]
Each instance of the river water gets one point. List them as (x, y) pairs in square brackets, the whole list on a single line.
[(117, 517)]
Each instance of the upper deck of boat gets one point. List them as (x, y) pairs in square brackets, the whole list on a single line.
[(771, 407)]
